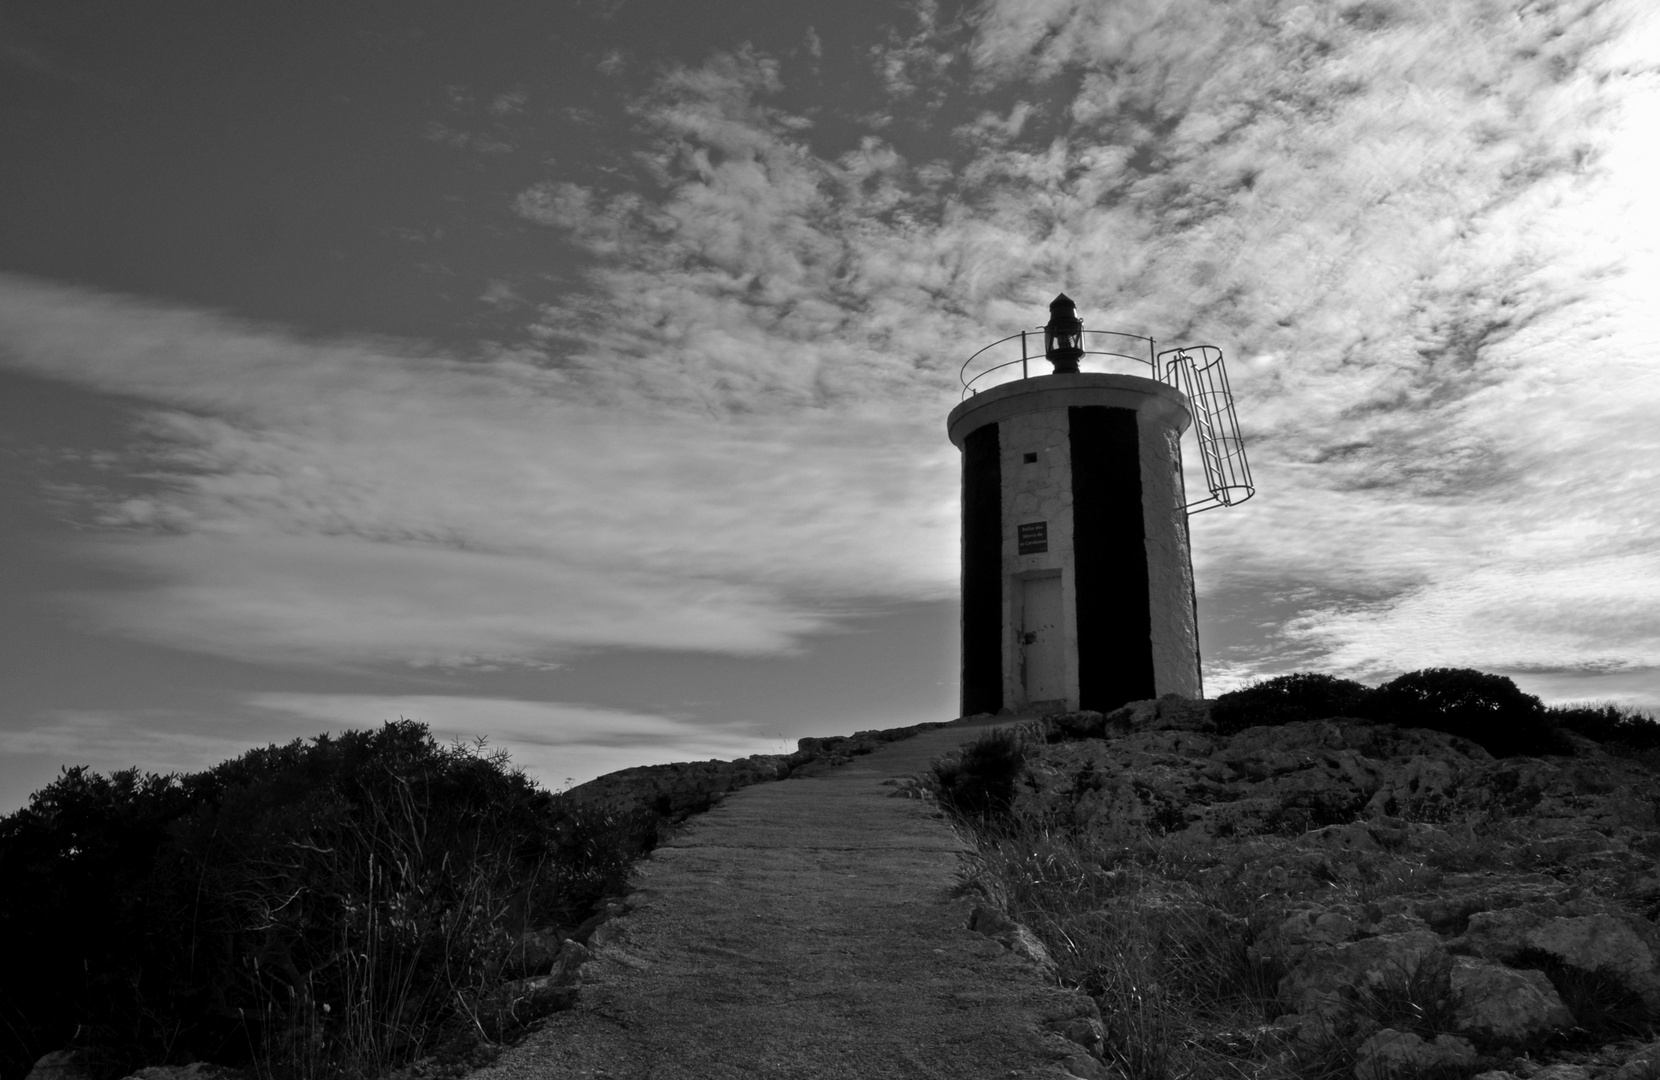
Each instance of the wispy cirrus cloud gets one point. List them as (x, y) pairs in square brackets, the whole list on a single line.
[(351, 502), (1421, 231), (1406, 221)]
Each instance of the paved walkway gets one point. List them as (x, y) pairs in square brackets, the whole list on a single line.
[(804, 929)]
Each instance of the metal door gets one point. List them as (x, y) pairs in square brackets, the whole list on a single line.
[(1042, 664)]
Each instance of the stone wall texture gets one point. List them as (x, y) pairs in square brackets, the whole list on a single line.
[(1037, 491), (1175, 628)]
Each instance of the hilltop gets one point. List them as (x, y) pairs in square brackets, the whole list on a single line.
[(1308, 880), (1331, 897)]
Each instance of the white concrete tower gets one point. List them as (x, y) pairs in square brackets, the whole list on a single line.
[(1077, 578)]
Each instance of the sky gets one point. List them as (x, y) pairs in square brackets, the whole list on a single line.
[(574, 375)]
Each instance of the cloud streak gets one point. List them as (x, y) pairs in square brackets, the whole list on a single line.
[(1408, 221), (356, 502), (1422, 232)]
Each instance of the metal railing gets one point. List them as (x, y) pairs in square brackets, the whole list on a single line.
[(1195, 370), (1030, 346)]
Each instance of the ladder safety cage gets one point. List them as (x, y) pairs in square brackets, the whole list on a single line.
[(1197, 371)]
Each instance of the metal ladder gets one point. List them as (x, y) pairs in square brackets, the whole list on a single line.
[(1215, 424)]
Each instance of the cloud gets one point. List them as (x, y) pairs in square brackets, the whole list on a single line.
[(1426, 214), (1435, 218), (367, 501), (555, 742), (1596, 612), (331, 600)]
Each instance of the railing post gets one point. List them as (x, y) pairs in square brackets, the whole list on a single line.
[(1023, 354)]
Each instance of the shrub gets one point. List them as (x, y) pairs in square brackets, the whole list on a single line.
[(981, 781), (1486, 709), (1612, 725), (341, 905), (1286, 699), (358, 892), (75, 865)]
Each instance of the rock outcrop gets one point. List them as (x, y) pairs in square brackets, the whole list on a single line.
[(1438, 910), (1391, 1055)]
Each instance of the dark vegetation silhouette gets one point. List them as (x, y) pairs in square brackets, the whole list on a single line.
[(334, 906), (1486, 709), (980, 781), (1489, 710), (1286, 699)]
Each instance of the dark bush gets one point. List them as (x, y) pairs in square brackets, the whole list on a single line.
[(1073, 726), (981, 781), (340, 905), (1611, 725), (75, 904), (1486, 709), (1286, 699)]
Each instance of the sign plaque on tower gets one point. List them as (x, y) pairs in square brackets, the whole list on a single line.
[(1033, 537)]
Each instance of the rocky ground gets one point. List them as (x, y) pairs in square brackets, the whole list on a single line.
[(678, 790), (1407, 905), (1319, 900)]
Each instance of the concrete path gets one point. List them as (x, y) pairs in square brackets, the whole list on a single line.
[(805, 929)]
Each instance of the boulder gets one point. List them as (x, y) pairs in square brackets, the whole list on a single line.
[(1011, 935), (1172, 712), (1086, 1031), (1504, 1004), (1562, 1070), (1644, 1064), (1085, 1067), (1132, 717), (70, 1064), (1421, 786), (1392, 1054), (1309, 929), (1176, 713), (198, 1071), (1601, 942), (572, 955), (1461, 897), (514, 1003), (1085, 724), (1334, 983)]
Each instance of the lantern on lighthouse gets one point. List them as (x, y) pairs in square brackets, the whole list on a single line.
[(1063, 335)]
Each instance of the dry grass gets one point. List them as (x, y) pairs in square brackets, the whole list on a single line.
[(1159, 927), (1146, 926)]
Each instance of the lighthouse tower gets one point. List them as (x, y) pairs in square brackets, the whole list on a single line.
[(1077, 581)]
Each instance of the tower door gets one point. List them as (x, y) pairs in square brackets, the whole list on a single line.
[(1042, 665)]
